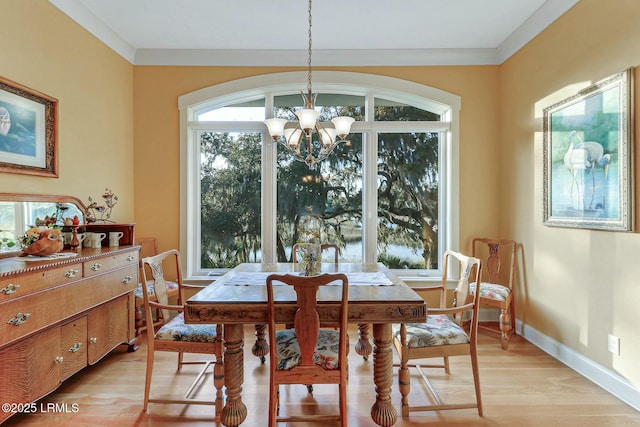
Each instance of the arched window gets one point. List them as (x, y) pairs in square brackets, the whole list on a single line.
[(388, 195)]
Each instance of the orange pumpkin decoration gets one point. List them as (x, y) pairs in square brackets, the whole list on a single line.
[(49, 242)]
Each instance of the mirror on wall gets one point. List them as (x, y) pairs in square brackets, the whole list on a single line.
[(19, 212)]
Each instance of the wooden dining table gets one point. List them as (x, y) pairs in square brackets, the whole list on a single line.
[(376, 296)]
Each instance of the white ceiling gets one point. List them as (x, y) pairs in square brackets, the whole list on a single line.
[(344, 32)]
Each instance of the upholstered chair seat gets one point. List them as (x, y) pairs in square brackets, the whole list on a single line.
[(171, 286), (438, 330), (176, 330), (492, 290), (325, 355)]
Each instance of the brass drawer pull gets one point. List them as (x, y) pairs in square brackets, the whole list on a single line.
[(74, 348), (9, 289), (131, 258), (71, 273), (59, 359), (97, 266), (19, 319), (93, 340), (127, 279)]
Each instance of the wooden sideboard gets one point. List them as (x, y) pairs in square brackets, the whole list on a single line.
[(58, 316)]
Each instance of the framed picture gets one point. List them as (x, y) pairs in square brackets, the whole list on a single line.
[(28, 131), (587, 158)]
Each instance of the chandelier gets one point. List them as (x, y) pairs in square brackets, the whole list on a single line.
[(294, 135)]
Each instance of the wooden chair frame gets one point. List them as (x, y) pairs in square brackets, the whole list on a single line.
[(492, 270), (470, 269), (149, 247), (307, 327), (156, 265)]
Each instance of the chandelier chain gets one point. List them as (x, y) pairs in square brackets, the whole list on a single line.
[(309, 89)]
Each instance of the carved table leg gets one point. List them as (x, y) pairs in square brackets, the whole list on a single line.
[(363, 346), (261, 346), (383, 412), (234, 411)]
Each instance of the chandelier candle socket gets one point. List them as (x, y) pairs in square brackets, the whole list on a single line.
[(307, 125)]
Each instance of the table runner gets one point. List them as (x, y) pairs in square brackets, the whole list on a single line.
[(355, 279)]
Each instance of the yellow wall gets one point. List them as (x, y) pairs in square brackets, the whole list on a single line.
[(46, 51), (576, 286)]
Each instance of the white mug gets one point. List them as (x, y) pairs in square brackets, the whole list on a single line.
[(114, 238), (96, 240), (66, 237), (88, 239)]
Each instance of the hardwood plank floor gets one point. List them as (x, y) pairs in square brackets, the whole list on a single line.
[(520, 387)]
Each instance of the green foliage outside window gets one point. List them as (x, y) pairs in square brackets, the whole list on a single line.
[(407, 191)]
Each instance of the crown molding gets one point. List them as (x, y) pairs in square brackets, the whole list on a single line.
[(543, 17)]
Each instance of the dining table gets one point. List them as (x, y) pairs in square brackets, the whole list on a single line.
[(377, 297)]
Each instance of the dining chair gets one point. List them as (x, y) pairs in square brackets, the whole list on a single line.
[(323, 247), (149, 247), (175, 335), (307, 353), (442, 336), (496, 286)]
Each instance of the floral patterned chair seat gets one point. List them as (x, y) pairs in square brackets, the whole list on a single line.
[(325, 355), (491, 290), (438, 330), (150, 291), (177, 330)]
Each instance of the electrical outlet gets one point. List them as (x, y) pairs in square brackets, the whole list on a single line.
[(613, 344)]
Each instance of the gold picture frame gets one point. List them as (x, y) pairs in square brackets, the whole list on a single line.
[(28, 131)]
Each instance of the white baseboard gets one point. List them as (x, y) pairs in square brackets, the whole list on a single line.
[(608, 380)]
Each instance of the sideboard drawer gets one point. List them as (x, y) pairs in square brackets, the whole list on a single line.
[(102, 264), (24, 284), (29, 369), (36, 311)]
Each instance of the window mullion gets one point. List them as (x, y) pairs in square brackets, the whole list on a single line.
[(269, 189), (370, 197)]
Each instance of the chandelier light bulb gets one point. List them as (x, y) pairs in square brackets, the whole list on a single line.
[(327, 135), (307, 118), (343, 125), (293, 137), (275, 127)]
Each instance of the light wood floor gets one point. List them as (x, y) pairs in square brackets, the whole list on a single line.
[(520, 387)]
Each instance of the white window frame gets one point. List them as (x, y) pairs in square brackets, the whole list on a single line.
[(370, 86)]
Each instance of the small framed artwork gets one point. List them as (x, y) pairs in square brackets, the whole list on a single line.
[(28, 131), (588, 159)]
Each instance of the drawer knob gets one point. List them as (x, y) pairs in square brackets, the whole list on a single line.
[(9, 289), (19, 319), (93, 340), (59, 359), (97, 266), (71, 273), (131, 258), (74, 348), (127, 279)]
